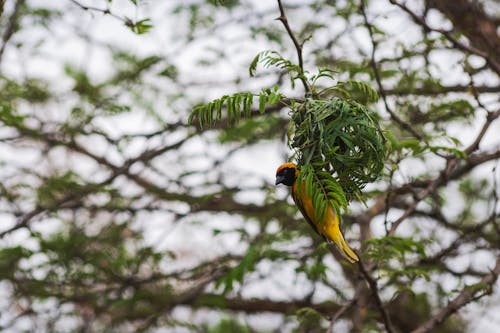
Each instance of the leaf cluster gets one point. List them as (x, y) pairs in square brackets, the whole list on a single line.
[(309, 319), (139, 27), (342, 136), (274, 59), (389, 247), (418, 147), (339, 143), (236, 107), (385, 250), (236, 274), (323, 188)]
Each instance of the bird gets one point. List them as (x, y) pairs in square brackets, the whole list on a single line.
[(329, 227)]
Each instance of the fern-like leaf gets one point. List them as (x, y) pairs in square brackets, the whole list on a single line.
[(324, 190), (237, 106), (360, 91), (273, 59)]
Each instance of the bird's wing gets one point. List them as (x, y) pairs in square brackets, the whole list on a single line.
[(299, 198), (330, 228)]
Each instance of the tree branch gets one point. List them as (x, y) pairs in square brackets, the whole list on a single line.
[(11, 25), (381, 89), (298, 46), (2, 3), (439, 90), (258, 305), (479, 27), (106, 11), (468, 294), (378, 302), (492, 116), (494, 65), (340, 312)]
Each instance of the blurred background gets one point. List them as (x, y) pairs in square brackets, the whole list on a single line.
[(118, 216)]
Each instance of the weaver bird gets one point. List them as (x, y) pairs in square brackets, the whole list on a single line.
[(328, 227)]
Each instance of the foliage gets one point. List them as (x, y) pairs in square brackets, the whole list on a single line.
[(236, 106), (119, 216), (274, 59), (336, 134), (139, 27), (342, 136), (309, 320), (237, 273), (228, 325)]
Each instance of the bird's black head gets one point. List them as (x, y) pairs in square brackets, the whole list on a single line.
[(286, 174)]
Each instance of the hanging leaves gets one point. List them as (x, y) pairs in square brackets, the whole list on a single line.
[(236, 107), (273, 59), (341, 137), (323, 188)]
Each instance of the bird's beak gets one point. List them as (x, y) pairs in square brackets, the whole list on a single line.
[(279, 179)]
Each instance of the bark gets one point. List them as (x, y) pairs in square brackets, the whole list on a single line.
[(469, 18)]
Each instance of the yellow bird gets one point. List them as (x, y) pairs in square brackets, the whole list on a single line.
[(329, 227)]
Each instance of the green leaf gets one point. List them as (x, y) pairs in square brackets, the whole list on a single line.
[(394, 247), (262, 103), (359, 91), (274, 59), (139, 27), (253, 65), (344, 137), (309, 319), (9, 116), (237, 106), (237, 273)]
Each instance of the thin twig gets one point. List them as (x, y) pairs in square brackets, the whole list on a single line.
[(11, 25), (378, 302), (387, 200), (440, 90), (105, 11), (468, 294), (494, 214), (340, 312), (495, 66), (394, 117), (298, 46), (431, 188), (381, 89), (372, 284), (489, 119), (2, 3)]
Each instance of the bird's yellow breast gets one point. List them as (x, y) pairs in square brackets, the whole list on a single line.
[(328, 226)]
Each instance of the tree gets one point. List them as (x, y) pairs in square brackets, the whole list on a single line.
[(119, 215)]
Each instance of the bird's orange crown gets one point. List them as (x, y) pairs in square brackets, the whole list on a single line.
[(286, 165)]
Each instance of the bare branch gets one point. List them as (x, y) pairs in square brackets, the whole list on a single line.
[(2, 3), (469, 293), (494, 65), (381, 89), (439, 90), (378, 302), (259, 305), (340, 312), (454, 169), (492, 116), (105, 11), (479, 27), (11, 25), (298, 46)]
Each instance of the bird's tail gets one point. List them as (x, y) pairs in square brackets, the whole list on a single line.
[(344, 248)]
